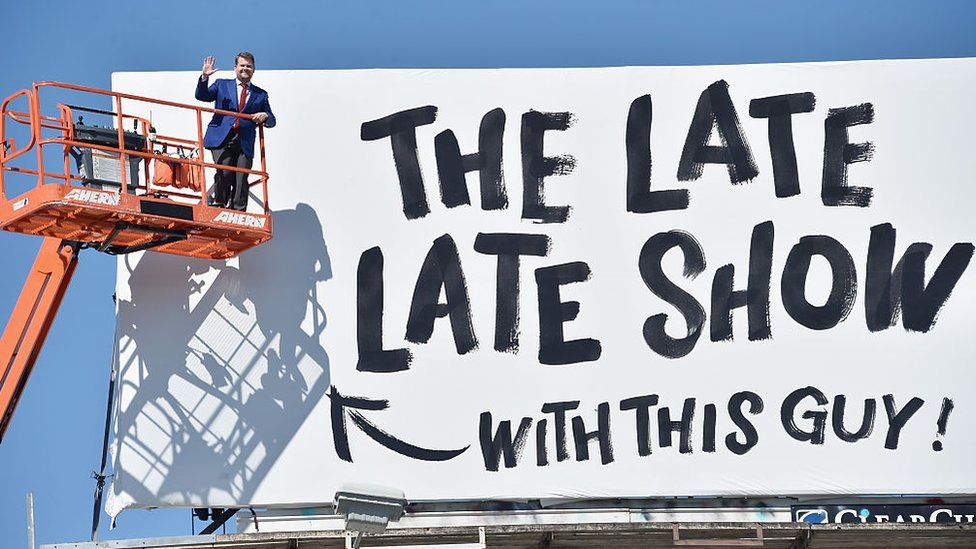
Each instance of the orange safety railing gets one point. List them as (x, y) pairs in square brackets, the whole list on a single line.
[(65, 136)]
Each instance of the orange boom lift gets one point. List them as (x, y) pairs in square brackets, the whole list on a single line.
[(107, 188)]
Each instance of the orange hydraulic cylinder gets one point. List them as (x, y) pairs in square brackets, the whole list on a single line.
[(31, 319)]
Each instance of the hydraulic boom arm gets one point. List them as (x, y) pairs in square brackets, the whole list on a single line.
[(31, 318)]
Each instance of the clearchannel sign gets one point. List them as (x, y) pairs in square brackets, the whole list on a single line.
[(824, 514)]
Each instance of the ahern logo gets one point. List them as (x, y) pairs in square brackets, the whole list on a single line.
[(241, 219), (94, 197)]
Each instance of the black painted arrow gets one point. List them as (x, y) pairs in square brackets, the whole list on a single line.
[(341, 438)]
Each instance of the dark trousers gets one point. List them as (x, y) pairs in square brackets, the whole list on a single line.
[(231, 188)]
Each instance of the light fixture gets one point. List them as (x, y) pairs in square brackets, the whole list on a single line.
[(369, 508)]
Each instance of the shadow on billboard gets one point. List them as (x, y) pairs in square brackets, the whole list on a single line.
[(227, 370)]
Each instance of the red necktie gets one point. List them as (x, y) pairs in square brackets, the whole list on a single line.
[(240, 106)]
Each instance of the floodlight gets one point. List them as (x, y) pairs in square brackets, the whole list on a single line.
[(368, 508)]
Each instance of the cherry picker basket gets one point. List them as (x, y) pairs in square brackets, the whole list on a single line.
[(102, 193)]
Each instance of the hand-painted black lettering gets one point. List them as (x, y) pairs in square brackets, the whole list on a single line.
[(541, 452), (441, 268), (536, 167), (369, 318), (509, 247), (649, 263), (882, 286), (839, 152), (708, 429), (921, 304), (843, 288), (867, 421), (642, 405), (401, 128), (581, 438), (553, 348), (640, 197), (888, 291), (715, 109), (558, 410), (779, 109), (756, 295), (683, 427), (947, 406), (742, 422), (499, 442), (897, 419), (451, 166), (787, 415)]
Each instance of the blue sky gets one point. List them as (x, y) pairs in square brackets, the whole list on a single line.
[(54, 442)]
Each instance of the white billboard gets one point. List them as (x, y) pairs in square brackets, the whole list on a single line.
[(571, 283)]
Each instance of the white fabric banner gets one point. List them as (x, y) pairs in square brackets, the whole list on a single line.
[(571, 283)]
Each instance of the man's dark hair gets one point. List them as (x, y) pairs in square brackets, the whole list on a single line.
[(246, 55)]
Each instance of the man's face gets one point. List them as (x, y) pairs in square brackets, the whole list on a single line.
[(244, 70)]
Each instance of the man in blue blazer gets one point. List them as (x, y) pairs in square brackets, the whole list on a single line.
[(229, 138)]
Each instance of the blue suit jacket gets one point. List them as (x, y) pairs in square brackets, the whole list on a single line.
[(225, 94)]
